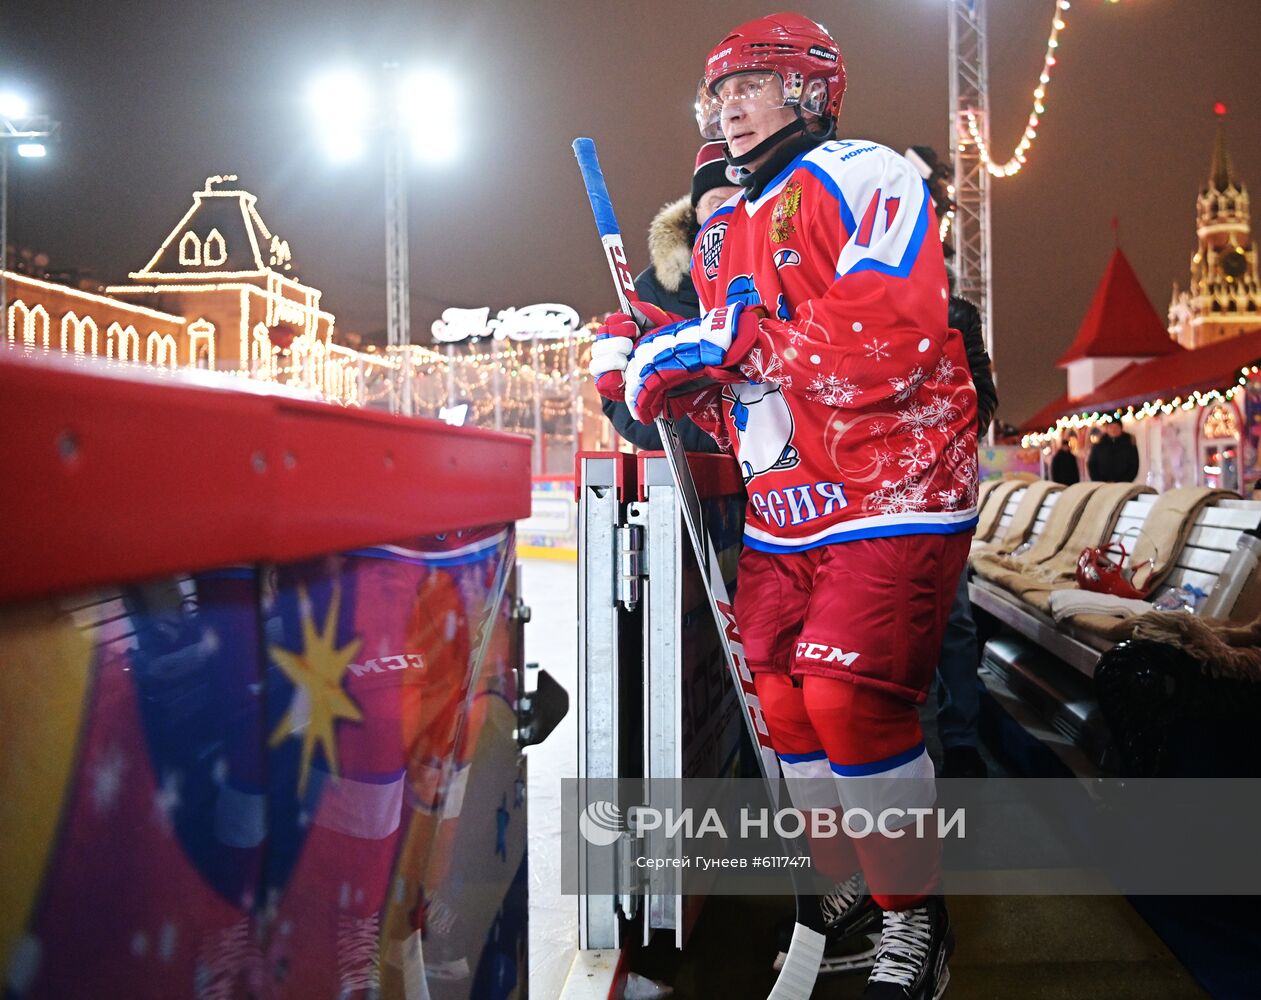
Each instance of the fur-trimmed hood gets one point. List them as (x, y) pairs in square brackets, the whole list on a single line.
[(670, 243)]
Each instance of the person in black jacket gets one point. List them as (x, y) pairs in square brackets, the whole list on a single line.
[(667, 283), (1064, 468), (966, 318), (1114, 457), (958, 690)]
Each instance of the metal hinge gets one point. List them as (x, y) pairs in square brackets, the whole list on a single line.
[(630, 565)]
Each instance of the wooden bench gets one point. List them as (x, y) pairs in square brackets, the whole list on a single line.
[(991, 503), (1008, 515), (1009, 510), (1038, 674), (1216, 550)]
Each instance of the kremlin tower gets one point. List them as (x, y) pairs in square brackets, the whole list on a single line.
[(1224, 297)]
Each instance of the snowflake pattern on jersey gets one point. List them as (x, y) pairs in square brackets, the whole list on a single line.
[(920, 463), (905, 388), (936, 414), (943, 410), (915, 458), (704, 408), (708, 416), (961, 459), (918, 419), (762, 369), (807, 327), (959, 451), (949, 499), (877, 350), (832, 390), (944, 373), (904, 496)]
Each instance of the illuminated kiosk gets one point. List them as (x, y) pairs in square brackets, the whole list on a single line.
[(262, 694)]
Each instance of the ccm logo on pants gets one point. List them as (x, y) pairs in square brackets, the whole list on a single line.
[(828, 654)]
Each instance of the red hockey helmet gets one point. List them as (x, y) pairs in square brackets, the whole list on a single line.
[(801, 53)]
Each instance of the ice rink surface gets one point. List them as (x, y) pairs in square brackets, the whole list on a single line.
[(550, 588)]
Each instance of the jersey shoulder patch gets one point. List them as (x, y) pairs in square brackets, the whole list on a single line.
[(707, 250), (849, 161)]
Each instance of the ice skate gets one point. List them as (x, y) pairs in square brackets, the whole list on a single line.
[(911, 961)]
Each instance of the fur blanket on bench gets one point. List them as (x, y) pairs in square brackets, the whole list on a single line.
[(1232, 651)]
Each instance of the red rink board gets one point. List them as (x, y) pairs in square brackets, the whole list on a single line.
[(110, 479)]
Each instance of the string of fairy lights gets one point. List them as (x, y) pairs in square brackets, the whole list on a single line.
[(1020, 157), (1152, 408), (513, 387)]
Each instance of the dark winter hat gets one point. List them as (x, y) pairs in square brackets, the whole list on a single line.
[(712, 170)]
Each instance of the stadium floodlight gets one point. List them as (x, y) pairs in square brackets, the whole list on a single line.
[(416, 110), (429, 113), (13, 105), (342, 105), (25, 132)]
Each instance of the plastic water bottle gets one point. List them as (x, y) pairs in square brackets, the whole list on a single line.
[(1239, 569), (1188, 597)]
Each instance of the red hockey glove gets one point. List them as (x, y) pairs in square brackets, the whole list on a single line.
[(615, 340)]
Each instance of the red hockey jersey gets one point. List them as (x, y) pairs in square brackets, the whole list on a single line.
[(858, 416)]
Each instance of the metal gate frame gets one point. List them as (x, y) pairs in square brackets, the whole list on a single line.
[(644, 660)]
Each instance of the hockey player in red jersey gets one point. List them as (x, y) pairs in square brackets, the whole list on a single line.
[(824, 361)]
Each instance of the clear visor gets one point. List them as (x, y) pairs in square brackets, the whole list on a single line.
[(740, 93)]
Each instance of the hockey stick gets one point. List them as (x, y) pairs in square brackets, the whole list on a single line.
[(801, 966)]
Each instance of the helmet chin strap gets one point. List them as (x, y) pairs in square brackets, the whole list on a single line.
[(798, 124), (766, 145)]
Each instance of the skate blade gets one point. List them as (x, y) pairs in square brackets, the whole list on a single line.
[(942, 983), (863, 958)]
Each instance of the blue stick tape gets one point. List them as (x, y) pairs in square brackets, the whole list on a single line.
[(597, 192)]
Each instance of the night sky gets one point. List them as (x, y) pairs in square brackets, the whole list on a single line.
[(156, 96)]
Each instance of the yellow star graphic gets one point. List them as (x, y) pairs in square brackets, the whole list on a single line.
[(317, 670)]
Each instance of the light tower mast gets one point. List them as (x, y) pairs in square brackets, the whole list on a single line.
[(969, 94), (397, 271)]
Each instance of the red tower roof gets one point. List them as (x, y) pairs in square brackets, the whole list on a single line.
[(1121, 321)]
